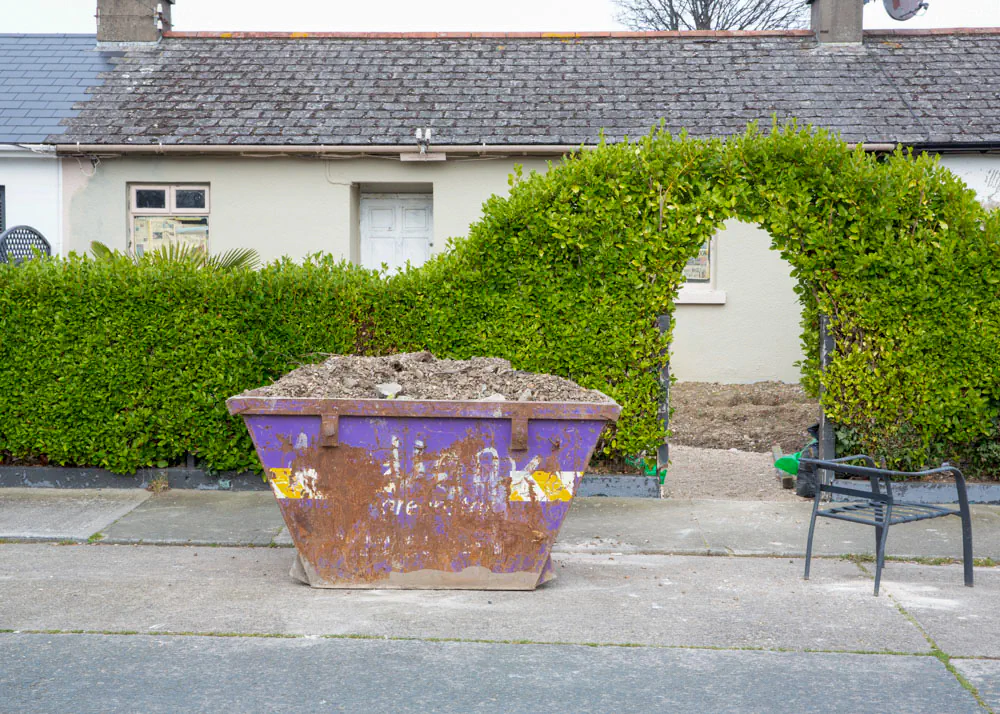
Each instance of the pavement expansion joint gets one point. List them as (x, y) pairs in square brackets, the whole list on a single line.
[(464, 640), (100, 539), (938, 653)]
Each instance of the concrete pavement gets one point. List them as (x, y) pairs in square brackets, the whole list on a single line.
[(684, 606), (308, 675), (594, 525)]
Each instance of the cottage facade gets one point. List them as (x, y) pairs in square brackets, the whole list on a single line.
[(380, 147)]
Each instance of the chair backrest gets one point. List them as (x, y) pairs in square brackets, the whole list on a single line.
[(18, 244)]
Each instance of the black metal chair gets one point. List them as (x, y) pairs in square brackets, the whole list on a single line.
[(880, 509), (19, 243)]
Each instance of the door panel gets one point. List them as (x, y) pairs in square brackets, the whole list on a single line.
[(396, 228)]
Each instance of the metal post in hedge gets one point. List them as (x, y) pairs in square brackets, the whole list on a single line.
[(663, 408), (827, 439)]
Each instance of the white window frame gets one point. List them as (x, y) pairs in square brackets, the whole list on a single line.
[(171, 199), (170, 209), (704, 292)]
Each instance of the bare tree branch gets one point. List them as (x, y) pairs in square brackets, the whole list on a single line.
[(712, 14)]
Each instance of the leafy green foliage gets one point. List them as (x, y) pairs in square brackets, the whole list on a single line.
[(109, 363), (121, 365), (235, 259)]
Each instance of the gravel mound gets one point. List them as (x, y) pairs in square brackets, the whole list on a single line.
[(748, 417), (420, 375), (722, 474)]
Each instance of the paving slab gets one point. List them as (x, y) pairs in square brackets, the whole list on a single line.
[(756, 528), (594, 525), (625, 599), (964, 622), (56, 514), (98, 673), (984, 675), (201, 517), (283, 539), (625, 525)]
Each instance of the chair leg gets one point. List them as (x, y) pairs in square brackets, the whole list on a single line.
[(966, 515), (881, 535), (812, 530), (967, 548)]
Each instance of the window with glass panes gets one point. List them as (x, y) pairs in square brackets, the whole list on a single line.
[(161, 215)]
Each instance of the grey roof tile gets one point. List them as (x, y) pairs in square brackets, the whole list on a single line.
[(914, 88), (42, 77)]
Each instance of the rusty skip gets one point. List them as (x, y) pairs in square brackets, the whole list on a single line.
[(423, 494)]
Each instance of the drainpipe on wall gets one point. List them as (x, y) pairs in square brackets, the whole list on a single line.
[(837, 21)]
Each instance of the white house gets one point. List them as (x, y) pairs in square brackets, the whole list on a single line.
[(41, 78), (378, 147)]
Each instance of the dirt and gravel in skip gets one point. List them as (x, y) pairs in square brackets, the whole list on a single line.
[(420, 375)]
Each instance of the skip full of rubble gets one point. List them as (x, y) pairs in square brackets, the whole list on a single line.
[(420, 375)]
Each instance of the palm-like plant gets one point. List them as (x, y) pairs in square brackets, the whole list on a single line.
[(235, 259)]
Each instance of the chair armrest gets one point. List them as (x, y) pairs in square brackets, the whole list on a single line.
[(878, 479)]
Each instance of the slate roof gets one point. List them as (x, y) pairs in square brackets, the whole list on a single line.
[(41, 78), (915, 87)]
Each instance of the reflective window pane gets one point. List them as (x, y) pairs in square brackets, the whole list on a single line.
[(150, 198), (190, 198), (150, 233)]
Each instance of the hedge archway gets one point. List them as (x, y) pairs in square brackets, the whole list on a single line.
[(568, 273)]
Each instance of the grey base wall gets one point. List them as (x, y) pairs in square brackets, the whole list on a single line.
[(620, 486), (920, 492), (64, 477)]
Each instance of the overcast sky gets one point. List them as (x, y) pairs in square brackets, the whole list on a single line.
[(418, 15)]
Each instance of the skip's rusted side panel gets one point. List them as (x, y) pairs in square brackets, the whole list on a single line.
[(423, 494)]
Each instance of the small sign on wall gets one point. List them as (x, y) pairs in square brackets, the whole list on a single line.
[(697, 269)]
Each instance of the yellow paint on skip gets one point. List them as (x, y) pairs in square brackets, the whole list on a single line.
[(280, 483), (551, 486), (299, 35)]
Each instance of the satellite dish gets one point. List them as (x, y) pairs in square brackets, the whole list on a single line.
[(903, 9)]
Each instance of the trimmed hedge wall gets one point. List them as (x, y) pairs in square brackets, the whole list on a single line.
[(105, 363)]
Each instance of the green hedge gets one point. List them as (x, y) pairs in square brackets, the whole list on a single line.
[(103, 363), (109, 364)]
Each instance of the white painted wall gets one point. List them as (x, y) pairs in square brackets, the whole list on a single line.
[(980, 171), (754, 335), (281, 206), (32, 189)]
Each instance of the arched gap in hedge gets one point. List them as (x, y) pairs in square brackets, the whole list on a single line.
[(568, 273)]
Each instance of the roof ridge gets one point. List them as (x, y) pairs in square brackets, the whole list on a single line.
[(481, 35), (686, 34)]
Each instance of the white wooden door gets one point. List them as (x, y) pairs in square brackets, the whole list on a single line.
[(395, 228)]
